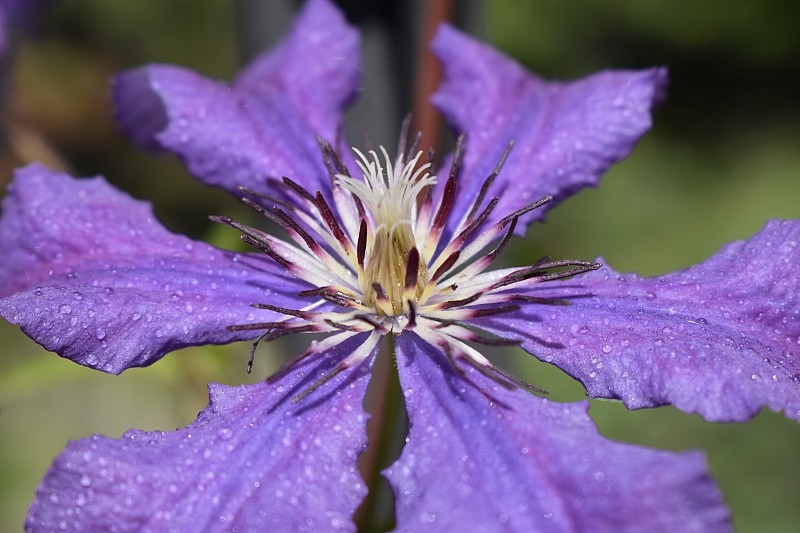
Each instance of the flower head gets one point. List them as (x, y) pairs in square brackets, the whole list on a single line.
[(91, 275), (384, 265)]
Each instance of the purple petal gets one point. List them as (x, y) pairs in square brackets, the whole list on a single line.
[(89, 273), (252, 461), (18, 16), (721, 338), (3, 33), (566, 134), (263, 126), (521, 463)]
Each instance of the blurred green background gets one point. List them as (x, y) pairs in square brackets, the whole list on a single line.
[(722, 158)]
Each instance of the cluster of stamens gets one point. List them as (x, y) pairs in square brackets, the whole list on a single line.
[(375, 264)]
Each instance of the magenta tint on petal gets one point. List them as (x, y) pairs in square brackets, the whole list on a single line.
[(265, 125), (3, 33), (721, 338), (566, 135), (252, 461), (89, 273), (517, 462)]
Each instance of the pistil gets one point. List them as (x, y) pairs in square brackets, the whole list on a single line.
[(388, 266)]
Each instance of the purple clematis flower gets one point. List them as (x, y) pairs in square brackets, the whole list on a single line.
[(91, 275)]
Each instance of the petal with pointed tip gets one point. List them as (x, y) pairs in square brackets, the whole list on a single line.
[(90, 274), (517, 462), (265, 124), (252, 461), (566, 135), (721, 338)]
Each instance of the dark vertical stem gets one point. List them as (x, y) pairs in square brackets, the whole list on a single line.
[(386, 431), (389, 423), (425, 118)]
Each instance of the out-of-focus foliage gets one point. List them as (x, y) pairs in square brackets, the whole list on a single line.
[(722, 158)]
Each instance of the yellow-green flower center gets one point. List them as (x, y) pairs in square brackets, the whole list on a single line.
[(389, 192)]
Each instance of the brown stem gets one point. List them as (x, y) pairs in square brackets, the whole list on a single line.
[(385, 431), (429, 73)]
